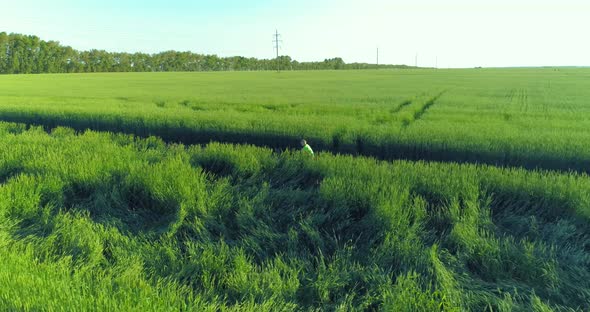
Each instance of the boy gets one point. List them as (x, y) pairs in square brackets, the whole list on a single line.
[(306, 148)]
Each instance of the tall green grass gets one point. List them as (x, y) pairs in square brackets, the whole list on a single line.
[(102, 221)]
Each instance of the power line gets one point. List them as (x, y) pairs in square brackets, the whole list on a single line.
[(277, 43)]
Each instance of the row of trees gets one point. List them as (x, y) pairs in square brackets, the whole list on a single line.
[(22, 54)]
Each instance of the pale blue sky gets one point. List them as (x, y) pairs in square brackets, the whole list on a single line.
[(459, 33)]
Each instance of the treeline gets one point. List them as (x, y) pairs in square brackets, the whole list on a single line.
[(23, 54)]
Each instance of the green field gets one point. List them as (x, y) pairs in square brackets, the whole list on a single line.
[(535, 118), (454, 190)]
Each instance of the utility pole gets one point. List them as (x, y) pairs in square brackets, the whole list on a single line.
[(377, 57), (416, 59), (277, 41)]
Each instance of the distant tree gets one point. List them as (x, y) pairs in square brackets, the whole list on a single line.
[(20, 54), (3, 52)]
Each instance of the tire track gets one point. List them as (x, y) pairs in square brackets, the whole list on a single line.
[(422, 109), (401, 106)]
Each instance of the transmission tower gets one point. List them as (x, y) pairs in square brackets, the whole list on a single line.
[(277, 45)]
